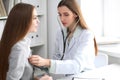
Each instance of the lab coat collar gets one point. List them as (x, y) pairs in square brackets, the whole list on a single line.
[(76, 33)]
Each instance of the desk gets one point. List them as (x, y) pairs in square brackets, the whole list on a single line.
[(109, 72), (113, 52), (110, 49)]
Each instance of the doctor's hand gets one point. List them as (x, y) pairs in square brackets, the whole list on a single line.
[(39, 61)]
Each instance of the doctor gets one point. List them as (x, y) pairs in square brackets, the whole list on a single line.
[(75, 44)]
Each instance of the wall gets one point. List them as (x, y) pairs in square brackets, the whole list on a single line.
[(112, 18), (52, 24)]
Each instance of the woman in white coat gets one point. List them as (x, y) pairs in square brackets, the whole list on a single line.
[(75, 44)]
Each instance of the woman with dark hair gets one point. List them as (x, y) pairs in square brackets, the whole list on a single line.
[(76, 46), (14, 44)]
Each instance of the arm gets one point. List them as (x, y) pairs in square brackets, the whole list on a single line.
[(16, 63), (80, 56)]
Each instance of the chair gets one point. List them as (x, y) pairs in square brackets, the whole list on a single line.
[(101, 60)]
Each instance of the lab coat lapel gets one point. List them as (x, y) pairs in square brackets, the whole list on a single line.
[(74, 38), (71, 44)]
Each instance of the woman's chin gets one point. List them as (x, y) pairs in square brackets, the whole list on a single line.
[(33, 31)]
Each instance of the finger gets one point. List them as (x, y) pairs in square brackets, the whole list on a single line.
[(33, 58)]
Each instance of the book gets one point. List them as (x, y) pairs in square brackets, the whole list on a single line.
[(8, 5), (2, 9)]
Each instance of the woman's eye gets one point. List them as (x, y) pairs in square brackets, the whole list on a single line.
[(66, 14), (35, 18)]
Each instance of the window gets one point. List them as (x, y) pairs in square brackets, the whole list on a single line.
[(102, 16)]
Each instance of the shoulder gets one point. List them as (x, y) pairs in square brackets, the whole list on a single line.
[(81, 33), (19, 48), (22, 44), (86, 34)]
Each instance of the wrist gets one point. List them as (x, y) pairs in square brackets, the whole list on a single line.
[(47, 61)]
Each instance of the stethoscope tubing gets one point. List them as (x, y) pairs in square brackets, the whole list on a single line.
[(64, 39)]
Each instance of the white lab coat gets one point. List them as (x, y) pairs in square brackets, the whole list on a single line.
[(79, 54)]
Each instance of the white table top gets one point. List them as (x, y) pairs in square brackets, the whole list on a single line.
[(109, 72)]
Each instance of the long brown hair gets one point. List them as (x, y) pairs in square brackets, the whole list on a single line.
[(75, 8), (16, 27)]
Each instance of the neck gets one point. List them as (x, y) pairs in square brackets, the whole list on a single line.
[(72, 27)]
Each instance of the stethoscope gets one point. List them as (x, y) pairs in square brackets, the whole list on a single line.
[(65, 38)]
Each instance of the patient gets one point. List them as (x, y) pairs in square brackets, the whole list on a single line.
[(15, 46)]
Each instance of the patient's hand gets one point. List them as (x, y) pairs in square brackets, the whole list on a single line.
[(45, 77)]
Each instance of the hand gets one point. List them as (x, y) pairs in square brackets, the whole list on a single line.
[(39, 61), (45, 77)]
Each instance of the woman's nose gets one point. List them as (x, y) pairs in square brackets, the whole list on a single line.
[(62, 18)]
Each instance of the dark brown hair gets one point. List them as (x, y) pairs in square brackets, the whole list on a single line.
[(16, 27), (75, 8)]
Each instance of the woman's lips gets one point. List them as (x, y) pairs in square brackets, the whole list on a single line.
[(64, 23)]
